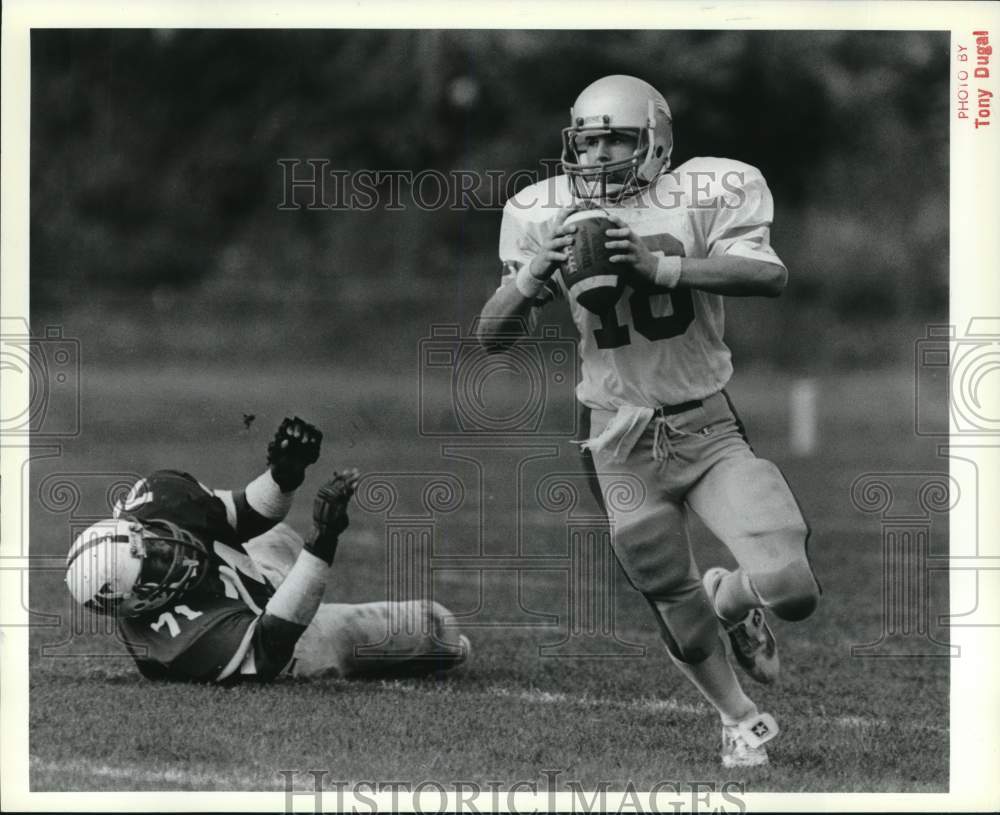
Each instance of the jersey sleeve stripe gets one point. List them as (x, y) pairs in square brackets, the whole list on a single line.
[(240, 653), (234, 576), (226, 496)]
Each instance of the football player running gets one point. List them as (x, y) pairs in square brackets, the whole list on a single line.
[(653, 372), (207, 585)]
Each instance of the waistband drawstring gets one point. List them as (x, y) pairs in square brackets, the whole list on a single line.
[(662, 428)]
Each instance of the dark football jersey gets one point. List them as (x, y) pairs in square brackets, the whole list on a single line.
[(205, 635), (201, 641), (180, 498)]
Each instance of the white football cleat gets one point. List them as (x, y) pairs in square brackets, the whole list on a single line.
[(750, 639), (743, 743)]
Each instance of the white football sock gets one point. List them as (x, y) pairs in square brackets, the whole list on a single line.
[(735, 596), (717, 681)]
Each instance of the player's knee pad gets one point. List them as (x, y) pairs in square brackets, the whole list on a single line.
[(791, 592), (687, 623), (654, 557)]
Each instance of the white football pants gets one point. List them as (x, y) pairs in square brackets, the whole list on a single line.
[(366, 639)]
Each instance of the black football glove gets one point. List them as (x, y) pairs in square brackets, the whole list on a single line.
[(330, 514), (295, 446)]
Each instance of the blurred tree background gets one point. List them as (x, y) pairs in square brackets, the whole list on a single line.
[(155, 180)]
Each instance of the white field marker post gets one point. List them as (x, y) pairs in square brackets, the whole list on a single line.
[(803, 429)]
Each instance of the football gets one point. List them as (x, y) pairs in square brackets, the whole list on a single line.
[(589, 275)]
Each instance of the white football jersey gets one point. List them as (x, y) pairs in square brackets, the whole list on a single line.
[(663, 348)]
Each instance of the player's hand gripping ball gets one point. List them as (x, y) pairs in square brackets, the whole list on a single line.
[(294, 447), (589, 274)]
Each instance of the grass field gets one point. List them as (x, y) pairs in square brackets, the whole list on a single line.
[(850, 724)]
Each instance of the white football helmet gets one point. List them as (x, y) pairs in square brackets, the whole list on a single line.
[(130, 568), (618, 103)]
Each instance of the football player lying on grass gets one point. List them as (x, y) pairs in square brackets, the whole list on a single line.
[(207, 585)]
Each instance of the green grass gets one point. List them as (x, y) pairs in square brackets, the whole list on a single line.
[(850, 724)]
